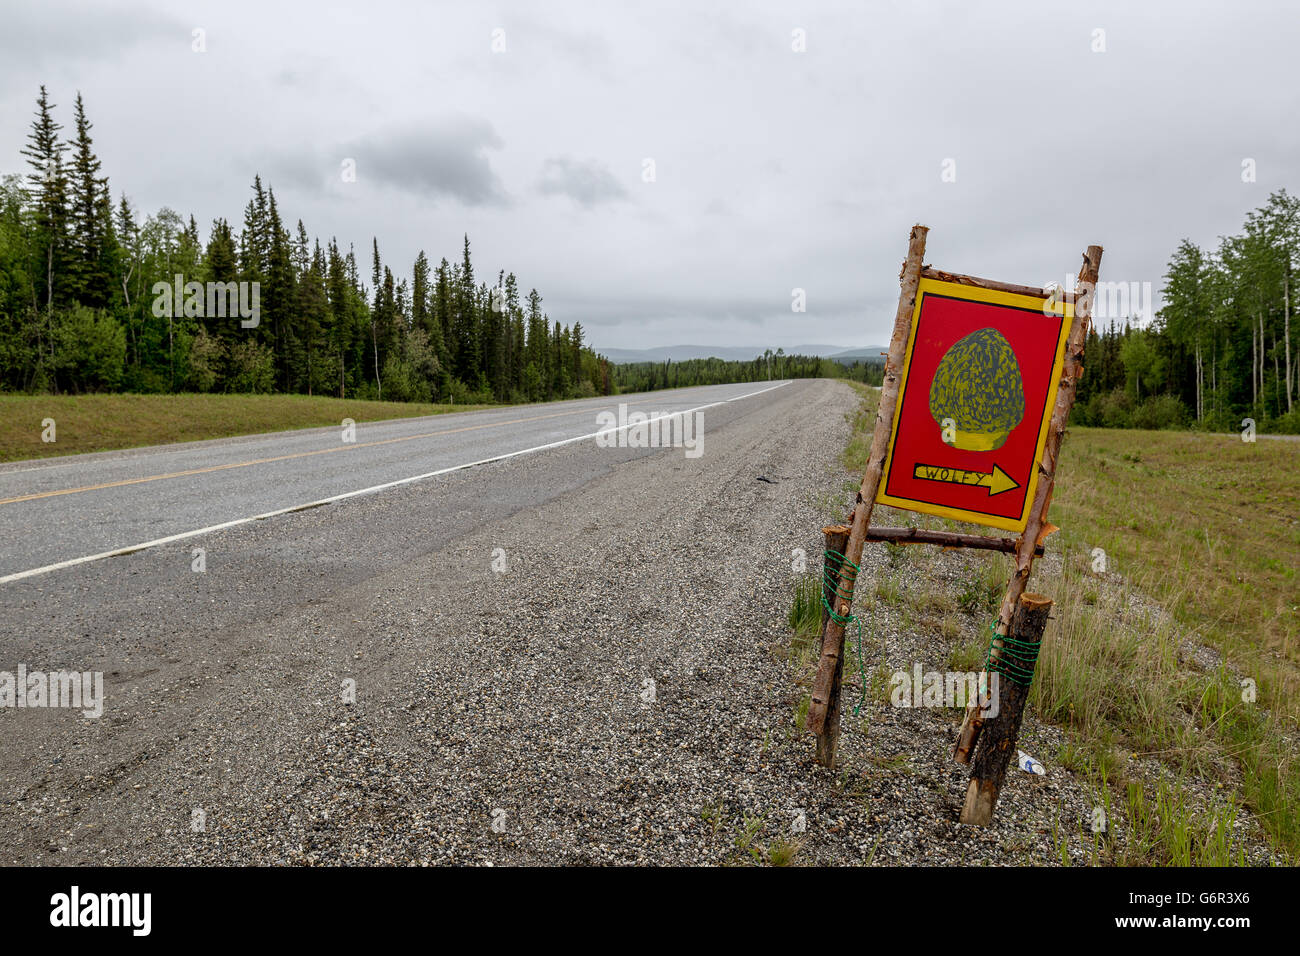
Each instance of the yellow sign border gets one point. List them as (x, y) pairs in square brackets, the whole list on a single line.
[(955, 290)]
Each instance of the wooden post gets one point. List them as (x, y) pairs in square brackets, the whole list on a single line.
[(1038, 527), (830, 666), (945, 539), (997, 743), (837, 539)]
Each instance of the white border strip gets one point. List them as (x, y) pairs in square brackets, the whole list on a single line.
[(20, 575)]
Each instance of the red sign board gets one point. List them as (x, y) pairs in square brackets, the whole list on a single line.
[(974, 402)]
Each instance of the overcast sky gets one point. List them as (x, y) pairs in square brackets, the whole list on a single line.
[(773, 169)]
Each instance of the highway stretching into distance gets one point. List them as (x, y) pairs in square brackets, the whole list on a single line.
[(61, 512)]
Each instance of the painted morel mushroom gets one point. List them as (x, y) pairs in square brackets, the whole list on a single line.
[(978, 386)]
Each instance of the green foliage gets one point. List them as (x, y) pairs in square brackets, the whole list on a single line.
[(1164, 830), (1117, 409), (1160, 411), (89, 350), (868, 373), (206, 355), (982, 587), (1142, 362), (1223, 346), (1288, 424), (252, 368)]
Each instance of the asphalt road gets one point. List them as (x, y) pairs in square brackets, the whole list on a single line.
[(88, 506)]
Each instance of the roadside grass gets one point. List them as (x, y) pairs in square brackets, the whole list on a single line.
[(1160, 828), (747, 847), (969, 656), (1215, 514), (1202, 546), (806, 609), (86, 423), (805, 620), (864, 423), (1164, 831), (782, 851), (1114, 672), (983, 586), (1208, 526)]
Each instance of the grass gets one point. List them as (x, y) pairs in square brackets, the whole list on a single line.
[(889, 588), (805, 620), (86, 423), (864, 422), (748, 849), (781, 852), (983, 586), (805, 617), (1162, 830), (1207, 526), (969, 656), (1210, 514)]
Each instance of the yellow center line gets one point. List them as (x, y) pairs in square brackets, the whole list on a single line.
[(301, 454)]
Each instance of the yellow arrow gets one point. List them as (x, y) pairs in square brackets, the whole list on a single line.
[(996, 481)]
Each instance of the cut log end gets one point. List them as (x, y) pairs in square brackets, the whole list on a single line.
[(981, 799)]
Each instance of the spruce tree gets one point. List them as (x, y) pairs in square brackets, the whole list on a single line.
[(468, 357), (48, 187), (86, 283), (278, 293)]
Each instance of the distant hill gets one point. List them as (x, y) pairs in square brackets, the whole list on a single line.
[(872, 353), (735, 353)]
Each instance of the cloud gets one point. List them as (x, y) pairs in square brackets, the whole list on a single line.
[(40, 35), (587, 183), (443, 159)]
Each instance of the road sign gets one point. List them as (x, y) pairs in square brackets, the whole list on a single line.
[(975, 397)]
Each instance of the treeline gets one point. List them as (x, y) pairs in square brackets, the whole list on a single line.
[(79, 311), (1221, 348), (869, 373), (647, 376)]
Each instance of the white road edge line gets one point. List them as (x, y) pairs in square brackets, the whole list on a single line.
[(118, 552)]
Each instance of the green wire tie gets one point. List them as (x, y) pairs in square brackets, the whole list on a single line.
[(1016, 659), (837, 577)]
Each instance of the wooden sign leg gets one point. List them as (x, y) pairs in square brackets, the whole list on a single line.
[(997, 744), (830, 666), (837, 539), (1037, 527)]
